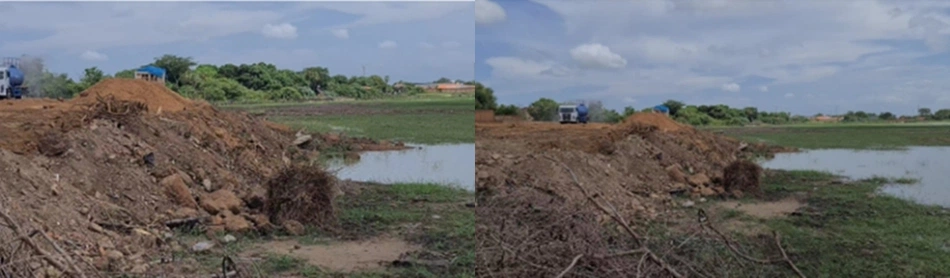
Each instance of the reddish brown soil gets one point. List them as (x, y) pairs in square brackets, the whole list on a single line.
[(78, 171)]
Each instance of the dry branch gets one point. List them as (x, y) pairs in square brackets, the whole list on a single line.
[(620, 220), (68, 268)]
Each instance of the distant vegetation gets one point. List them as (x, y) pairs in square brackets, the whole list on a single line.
[(544, 109), (228, 82)]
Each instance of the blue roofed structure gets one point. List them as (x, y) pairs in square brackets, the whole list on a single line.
[(661, 109), (151, 73)]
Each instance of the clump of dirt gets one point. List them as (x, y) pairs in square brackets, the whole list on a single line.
[(301, 193), (128, 160), (743, 176)]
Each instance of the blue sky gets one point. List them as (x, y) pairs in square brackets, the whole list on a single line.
[(804, 56), (418, 41)]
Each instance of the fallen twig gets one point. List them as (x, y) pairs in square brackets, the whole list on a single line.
[(569, 267), (778, 242)]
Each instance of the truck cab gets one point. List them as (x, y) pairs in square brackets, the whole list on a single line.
[(572, 114), (11, 82)]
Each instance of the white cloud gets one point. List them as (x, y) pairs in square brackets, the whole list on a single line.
[(731, 87), (451, 44), (426, 45), (488, 12), (789, 95), (388, 44), (91, 55), (341, 33), (280, 31), (385, 12), (846, 50), (594, 55)]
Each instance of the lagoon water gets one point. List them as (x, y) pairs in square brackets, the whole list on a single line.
[(930, 165), (452, 165)]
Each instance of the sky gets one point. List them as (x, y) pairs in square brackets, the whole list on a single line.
[(415, 42), (801, 56)]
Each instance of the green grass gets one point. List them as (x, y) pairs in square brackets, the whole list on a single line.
[(418, 120), (845, 136), (850, 230)]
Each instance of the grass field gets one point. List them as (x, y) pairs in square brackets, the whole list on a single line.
[(850, 136), (423, 120), (843, 230)]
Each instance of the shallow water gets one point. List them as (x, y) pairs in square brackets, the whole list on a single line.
[(930, 165), (443, 164)]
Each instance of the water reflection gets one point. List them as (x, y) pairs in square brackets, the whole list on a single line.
[(927, 164), (442, 164)]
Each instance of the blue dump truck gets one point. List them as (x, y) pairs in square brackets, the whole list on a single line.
[(572, 114), (11, 79)]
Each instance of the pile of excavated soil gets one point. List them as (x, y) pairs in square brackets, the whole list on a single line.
[(635, 165), (108, 173)]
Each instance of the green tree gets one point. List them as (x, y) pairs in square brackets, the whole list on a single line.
[(484, 97), (543, 109), (507, 110), (674, 106), (942, 114), (924, 112), (91, 76), (174, 66), (887, 116)]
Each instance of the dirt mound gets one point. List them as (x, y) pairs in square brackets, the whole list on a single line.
[(127, 161), (636, 165), (661, 121), (301, 193), (156, 96)]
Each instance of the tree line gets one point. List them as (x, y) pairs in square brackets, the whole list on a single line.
[(545, 109), (228, 82)]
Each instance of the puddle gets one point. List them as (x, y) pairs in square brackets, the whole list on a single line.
[(442, 164), (927, 164)]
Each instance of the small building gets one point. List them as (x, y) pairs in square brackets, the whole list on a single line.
[(661, 109), (151, 73)]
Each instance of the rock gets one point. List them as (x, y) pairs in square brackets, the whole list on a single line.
[(237, 224), (139, 269), (303, 139), (706, 191), (206, 183), (228, 239), (114, 255), (220, 200), (688, 204), (699, 179), (202, 246), (737, 193), (177, 190), (676, 173), (184, 213), (293, 227), (259, 220)]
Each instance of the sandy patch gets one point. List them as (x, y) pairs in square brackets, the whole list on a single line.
[(766, 210), (347, 256)]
